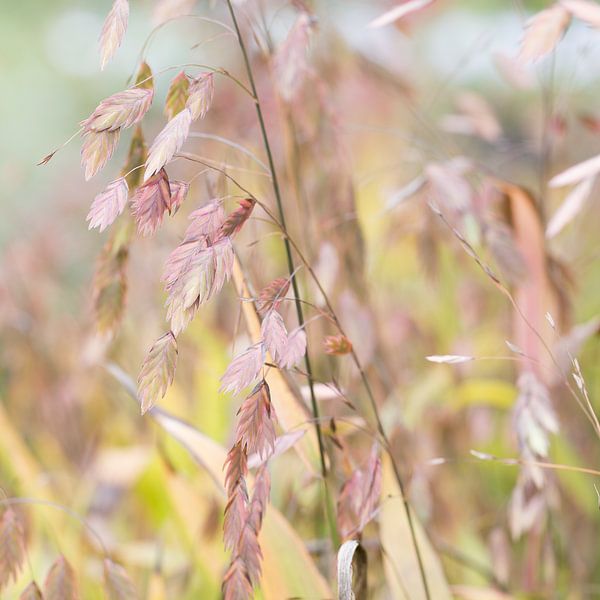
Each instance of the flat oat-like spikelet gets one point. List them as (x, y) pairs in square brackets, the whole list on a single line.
[(273, 294), (194, 273), (12, 547), (243, 370), (110, 279), (235, 220), (113, 30), (177, 95), (121, 110), (136, 157), (236, 468), (256, 422), (117, 583), (244, 516), (179, 191), (337, 345), (143, 78), (294, 350), (260, 496), (205, 221), (236, 509), (290, 64), (157, 371), (544, 30), (236, 513), (179, 262), (359, 496), (236, 582), (150, 202), (31, 592), (109, 204), (61, 583), (168, 142), (96, 150), (274, 334), (201, 92)]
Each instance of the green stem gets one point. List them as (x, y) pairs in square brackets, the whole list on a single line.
[(288, 249), (378, 421), (363, 375)]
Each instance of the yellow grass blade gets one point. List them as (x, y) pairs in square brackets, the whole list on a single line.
[(400, 562)]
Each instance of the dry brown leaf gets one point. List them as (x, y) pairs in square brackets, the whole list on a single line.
[(535, 294)]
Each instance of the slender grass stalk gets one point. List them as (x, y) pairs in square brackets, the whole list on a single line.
[(585, 407), (385, 441), (378, 421), (291, 269)]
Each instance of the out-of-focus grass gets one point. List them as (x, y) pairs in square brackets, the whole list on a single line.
[(89, 449)]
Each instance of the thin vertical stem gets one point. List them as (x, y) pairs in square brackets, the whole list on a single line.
[(288, 249), (378, 421), (291, 268)]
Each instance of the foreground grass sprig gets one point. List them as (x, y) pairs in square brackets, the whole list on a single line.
[(255, 434), (61, 580), (279, 201), (352, 398), (291, 268)]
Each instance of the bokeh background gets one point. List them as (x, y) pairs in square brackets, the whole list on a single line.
[(394, 103)]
